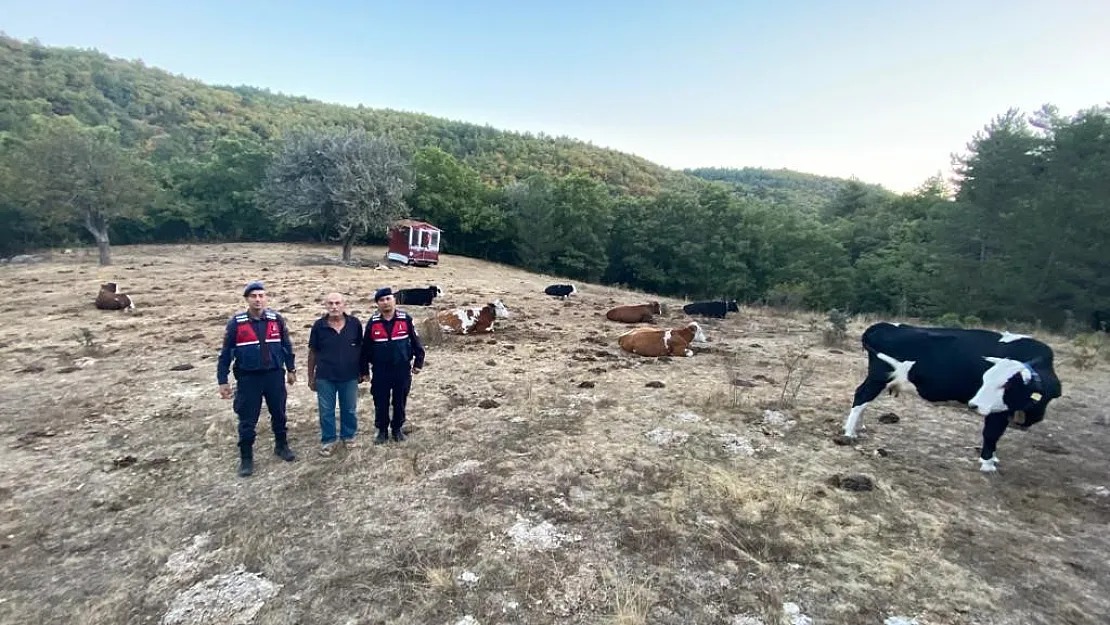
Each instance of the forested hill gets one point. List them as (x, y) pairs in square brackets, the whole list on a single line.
[(807, 192), (113, 151), (151, 105)]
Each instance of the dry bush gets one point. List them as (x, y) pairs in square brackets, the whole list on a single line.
[(633, 598), (734, 396), (1088, 347), (87, 342), (799, 371), (836, 333)]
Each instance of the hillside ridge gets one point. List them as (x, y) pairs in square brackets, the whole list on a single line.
[(149, 102)]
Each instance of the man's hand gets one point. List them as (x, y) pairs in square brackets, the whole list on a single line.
[(415, 370), (312, 384), (291, 377), (225, 391)]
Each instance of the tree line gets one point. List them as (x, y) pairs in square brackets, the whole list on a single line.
[(108, 155)]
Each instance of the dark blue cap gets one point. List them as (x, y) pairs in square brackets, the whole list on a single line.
[(380, 293), (253, 286)]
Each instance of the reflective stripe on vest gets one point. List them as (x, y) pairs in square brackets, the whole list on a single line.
[(400, 329), (245, 335)]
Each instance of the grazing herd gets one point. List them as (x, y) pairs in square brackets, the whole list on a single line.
[(1007, 378)]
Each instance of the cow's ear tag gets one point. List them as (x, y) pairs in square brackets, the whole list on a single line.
[(1035, 396)]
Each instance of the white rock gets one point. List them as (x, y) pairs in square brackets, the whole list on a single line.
[(230, 599), (794, 612), (664, 436)]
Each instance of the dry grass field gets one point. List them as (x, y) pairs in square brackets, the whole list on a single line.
[(548, 477)]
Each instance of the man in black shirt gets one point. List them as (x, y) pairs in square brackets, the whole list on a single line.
[(334, 345), (391, 347)]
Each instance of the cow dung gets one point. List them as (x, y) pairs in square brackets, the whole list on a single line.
[(488, 403), (655, 384), (182, 367), (586, 384), (857, 483), (888, 418)]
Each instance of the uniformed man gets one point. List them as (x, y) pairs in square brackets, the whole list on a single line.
[(257, 341), (391, 354)]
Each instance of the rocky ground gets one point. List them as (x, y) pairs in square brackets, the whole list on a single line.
[(548, 476)]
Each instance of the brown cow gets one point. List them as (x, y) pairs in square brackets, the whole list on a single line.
[(633, 313), (662, 342), (471, 320), (109, 299)]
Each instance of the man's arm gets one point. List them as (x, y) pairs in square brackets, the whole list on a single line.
[(417, 346), (366, 353), (313, 342), (223, 364), (287, 345)]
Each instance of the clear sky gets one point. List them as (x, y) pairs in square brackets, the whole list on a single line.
[(861, 88)]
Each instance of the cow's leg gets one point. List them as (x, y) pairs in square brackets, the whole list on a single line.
[(865, 394), (994, 426)]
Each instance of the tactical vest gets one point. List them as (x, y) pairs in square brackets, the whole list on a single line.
[(391, 348)]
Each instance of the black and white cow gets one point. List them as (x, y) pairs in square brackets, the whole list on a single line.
[(417, 297), (562, 291), (716, 309), (1008, 378)]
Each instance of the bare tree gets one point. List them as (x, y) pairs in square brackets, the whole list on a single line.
[(345, 181)]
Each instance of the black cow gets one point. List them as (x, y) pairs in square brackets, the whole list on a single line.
[(1100, 321), (716, 309), (560, 290), (1008, 378), (417, 297)]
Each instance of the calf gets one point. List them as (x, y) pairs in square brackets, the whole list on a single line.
[(417, 297), (560, 290), (1008, 378), (109, 299), (659, 342), (716, 309), (633, 313), (471, 320)]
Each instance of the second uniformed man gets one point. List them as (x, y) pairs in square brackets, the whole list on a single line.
[(391, 354)]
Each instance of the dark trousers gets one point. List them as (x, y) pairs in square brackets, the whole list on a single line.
[(251, 389), (387, 383)]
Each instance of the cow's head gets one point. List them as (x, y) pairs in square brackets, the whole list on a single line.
[(109, 287), (499, 309), (699, 334), (655, 308), (1015, 387), (435, 290), (732, 306)]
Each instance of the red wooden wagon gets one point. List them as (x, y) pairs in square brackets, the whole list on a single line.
[(414, 242)]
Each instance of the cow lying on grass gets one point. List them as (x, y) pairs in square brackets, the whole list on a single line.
[(662, 342), (109, 299), (417, 296), (561, 291), (471, 320), (634, 313), (1008, 378), (717, 309)]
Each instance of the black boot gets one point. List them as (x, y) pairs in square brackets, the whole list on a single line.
[(398, 435), (382, 437), (246, 460), (281, 449)]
